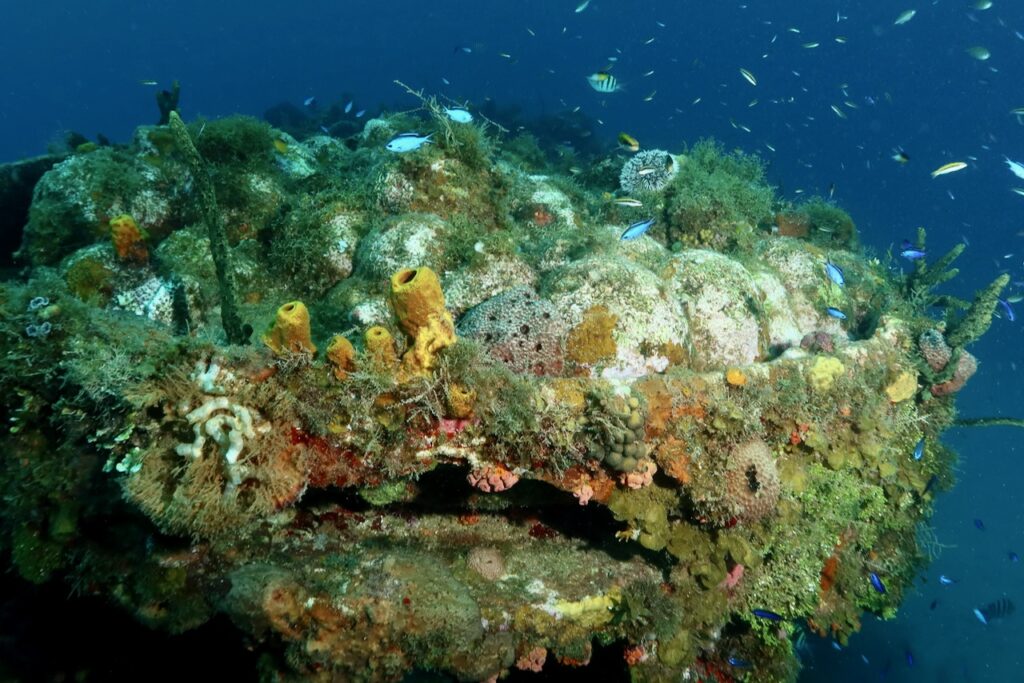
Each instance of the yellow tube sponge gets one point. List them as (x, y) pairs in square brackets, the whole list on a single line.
[(380, 347), (290, 331), (418, 302), (342, 356), (461, 400), (416, 296), (438, 333)]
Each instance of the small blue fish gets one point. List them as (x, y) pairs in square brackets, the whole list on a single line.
[(738, 663), (931, 484), (836, 646), (910, 252), (360, 113), (877, 583), (909, 656), (458, 115), (979, 525), (835, 313), (766, 614), (1005, 305), (1013, 557), (636, 230), (919, 449), (348, 107), (407, 142), (981, 617), (835, 273), (946, 581), (309, 102)]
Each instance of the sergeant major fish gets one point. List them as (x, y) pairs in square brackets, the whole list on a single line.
[(604, 82)]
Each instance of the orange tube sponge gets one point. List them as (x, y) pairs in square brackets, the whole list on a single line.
[(380, 346), (418, 302), (129, 239), (342, 356), (290, 331)]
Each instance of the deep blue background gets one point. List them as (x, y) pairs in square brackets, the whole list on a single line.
[(78, 66)]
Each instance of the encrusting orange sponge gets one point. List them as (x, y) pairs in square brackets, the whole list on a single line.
[(129, 239), (418, 303), (290, 331)]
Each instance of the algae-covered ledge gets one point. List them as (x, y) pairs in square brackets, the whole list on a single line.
[(473, 430)]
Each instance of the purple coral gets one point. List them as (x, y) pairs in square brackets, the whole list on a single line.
[(519, 329)]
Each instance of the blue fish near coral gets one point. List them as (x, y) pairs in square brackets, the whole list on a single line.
[(919, 449), (835, 313), (408, 142), (910, 252), (738, 663), (835, 273), (876, 583), (636, 230), (766, 614)]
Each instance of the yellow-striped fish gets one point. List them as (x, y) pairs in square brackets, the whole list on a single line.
[(951, 167), (602, 81), (628, 142)]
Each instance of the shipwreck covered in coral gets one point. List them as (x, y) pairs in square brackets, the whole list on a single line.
[(427, 411)]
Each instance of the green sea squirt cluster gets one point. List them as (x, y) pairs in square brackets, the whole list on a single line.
[(397, 412)]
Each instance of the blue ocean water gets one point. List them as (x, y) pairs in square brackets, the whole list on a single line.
[(911, 86)]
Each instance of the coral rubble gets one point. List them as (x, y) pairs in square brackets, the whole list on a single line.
[(526, 439)]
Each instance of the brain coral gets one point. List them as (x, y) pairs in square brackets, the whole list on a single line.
[(647, 320), (648, 171), (412, 239), (519, 329), (723, 308), (752, 481)]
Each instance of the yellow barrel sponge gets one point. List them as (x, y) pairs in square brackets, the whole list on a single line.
[(290, 331), (380, 346), (342, 356), (416, 296)]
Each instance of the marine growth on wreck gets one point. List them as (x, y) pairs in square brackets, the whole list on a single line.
[(427, 411)]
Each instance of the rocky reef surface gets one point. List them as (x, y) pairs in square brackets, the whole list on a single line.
[(392, 412)]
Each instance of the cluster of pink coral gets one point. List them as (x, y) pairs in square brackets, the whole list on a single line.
[(642, 476), (937, 354), (533, 660), (492, 479), (583, 493), (732, 578)]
